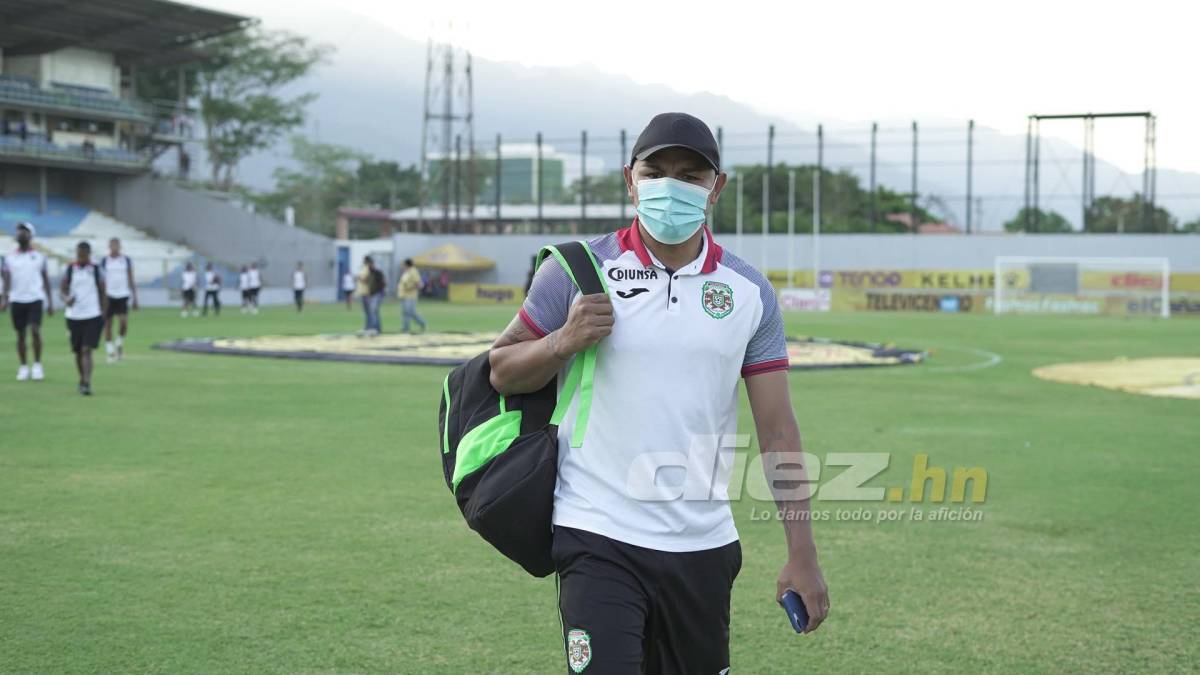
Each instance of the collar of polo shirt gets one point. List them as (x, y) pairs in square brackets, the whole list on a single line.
[(630, 239)]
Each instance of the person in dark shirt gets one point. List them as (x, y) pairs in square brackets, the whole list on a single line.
[(376, 285)]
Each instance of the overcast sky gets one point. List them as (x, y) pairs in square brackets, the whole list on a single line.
[(842, 62)]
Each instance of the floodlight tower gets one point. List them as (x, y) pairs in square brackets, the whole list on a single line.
[(448, 117)]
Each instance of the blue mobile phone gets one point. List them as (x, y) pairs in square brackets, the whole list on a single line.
[(794, 606)]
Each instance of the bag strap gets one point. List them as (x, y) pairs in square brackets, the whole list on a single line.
[(580, 264)]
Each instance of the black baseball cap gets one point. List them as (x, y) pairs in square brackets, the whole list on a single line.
[(677, 130)]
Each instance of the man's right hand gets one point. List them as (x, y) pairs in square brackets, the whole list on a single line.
[(590, 319)]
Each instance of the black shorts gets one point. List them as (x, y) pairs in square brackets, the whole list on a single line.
[(189, 295), (628, 609), (25, 314), (246, 295), (116, 306), (85, 333)]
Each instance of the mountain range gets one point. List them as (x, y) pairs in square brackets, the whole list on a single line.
[(370, 97)]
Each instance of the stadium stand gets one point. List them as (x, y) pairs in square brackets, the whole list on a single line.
[(72, 99), (66, 223)]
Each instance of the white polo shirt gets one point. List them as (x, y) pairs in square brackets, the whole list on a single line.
[(116, 275), (667, 374), (25, 270), (83, 288)]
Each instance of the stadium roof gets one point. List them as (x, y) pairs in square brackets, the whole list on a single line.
[(141, 32)]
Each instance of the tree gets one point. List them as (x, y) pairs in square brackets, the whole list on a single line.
[(1192, 227), (1037, 220), (383, 184), (323, 178), (240, 85), (845, 204), (606, 188), (1115, 214)]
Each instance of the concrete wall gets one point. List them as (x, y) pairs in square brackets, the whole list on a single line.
[(93, 190), (223, 232), (848, 251), (231, 298)]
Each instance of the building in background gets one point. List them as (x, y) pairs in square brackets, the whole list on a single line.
[(520, 179), (70, 120)]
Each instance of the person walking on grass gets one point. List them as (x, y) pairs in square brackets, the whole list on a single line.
[(86, 299), (122, 295), (349, 283), (254, 279), (362, 289), (408, 290), (244, 287), (187, 288), (299, 282), (375, 284), (212, 289), (26, 292), (645, 578)]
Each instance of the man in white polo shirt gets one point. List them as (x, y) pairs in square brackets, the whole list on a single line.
[(85, 298), (122, 294), (27, 292), (646, 567)]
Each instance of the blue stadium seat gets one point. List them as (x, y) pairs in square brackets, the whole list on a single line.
[(62, 215)]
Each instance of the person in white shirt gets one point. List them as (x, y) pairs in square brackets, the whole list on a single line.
[(299, 282), (348, 285), (187, 285), (212, 289), (244, 287), (254, 277), (647, 560), (26, 291), (85, 298), (118, 282)]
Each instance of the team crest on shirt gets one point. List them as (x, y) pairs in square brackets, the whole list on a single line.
[(717, 299), (579, 649)]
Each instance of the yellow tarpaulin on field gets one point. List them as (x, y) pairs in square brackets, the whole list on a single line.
[(454, 258), (1177, 377)]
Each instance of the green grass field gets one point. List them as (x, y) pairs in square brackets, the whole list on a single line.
[(231, 514)]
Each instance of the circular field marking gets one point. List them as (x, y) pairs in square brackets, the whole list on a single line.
[(454, 348), (986, 360)]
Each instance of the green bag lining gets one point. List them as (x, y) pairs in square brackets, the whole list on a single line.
[(485, 442)]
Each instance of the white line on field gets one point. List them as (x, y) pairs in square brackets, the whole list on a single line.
[(989, 359)]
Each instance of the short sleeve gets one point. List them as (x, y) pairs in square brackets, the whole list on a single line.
[(549, 299), (767, 350)]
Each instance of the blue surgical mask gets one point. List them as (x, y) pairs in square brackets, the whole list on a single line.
[(671, 210)]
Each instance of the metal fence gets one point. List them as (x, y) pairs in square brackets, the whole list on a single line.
[(865, 178)]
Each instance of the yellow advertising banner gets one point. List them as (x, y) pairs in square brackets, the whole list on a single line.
[(486, 294), (905, 300), (975, 280)]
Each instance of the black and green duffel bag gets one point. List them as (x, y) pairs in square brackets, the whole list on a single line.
[(500, 453)]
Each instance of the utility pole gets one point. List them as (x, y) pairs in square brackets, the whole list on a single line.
[(874, 200), (537, 183), (913, 206), (499, 176), (624, 158), (970, 166)]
